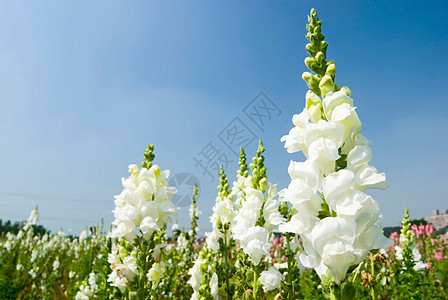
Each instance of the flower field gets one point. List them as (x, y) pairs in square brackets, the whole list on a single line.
[(318, 238), (65, 267)]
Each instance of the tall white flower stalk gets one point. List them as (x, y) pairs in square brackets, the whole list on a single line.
[(410, 256), (204, 280), (194, 215), (337, 221), (141, 212), (256, 218), (219, 240)]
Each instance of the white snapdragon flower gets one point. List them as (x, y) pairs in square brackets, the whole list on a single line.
[(370, 238), (323, 140), (212, 238), (295, 140), (182, 242), (416, 256), (130, 267), (224, 210), (87, 291), (255, 243), (116, 280), (32, 219), (196, 277), (419, 264), (156, 272), (125, 227), (83, 235), (333, 100), (338, 107), (254, 239), (248, 214), (214, 286), (223, 206), (270, 279), (302, 193), (307, 204), (124, 267), (238, 189), (193, 210), (367, 177), (330, 247), (341, 194), (56, 264), (271, 214), (308, 171)]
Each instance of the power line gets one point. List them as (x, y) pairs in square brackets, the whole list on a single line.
[(50, 197)]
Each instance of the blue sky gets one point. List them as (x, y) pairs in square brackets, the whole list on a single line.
[(85, 86)]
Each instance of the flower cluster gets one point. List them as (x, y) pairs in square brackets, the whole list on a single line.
[(196, 277), (124, 267), (254, 238), (337, 221), (89, 290), (271, 279), (223, 214), (144, 204), (258, 213), (204, 279)]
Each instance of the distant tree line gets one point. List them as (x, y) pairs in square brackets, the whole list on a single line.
[(8, 226)]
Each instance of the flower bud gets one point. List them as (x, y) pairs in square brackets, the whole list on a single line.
[(323, 46), (313, 106), (312, 82), (311, 49), (312, 64), (320, 59), (331, 70), (263, 184), (326, 85), (227, 226)]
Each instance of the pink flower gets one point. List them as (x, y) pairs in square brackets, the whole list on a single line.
[(394, 236), (416, 230), (438, 255), (429, 230)]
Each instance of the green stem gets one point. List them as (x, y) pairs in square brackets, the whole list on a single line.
[(289, 276), (372, 268), (358, 268), (256, 274), (335, 295), (227, 267)]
